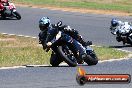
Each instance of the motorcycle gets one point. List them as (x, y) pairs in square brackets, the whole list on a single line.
[(10, 11), (62, 51), (125, 38), (123, 35)]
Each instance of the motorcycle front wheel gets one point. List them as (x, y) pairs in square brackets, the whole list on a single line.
[(67, 56), (130, 39), (55, 60), (17, 15)]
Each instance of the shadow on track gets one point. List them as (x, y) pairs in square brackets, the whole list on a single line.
[(51, 66), (7, 19), (120, 46)]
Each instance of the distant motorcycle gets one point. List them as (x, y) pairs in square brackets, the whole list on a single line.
[(10, 12), (63, 52), (125, 38), (123, 35)]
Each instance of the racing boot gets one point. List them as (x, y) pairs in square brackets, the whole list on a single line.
[(85, 43), (89, 43), (80, 61), (119, 39), (123, 42)]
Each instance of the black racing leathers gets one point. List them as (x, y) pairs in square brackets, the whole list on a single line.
[(42, 38), (72, 32), (66, 29)]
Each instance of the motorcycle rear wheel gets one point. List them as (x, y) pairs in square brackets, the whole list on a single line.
[(3, 17), (91, 59)]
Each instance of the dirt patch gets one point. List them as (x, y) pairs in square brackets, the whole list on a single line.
[(107, 12), (7, 39)]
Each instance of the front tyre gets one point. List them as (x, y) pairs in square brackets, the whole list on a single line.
[(17, 15), (67, 56), (55, 60), (130, 39)]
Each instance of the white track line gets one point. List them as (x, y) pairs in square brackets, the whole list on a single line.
[(19, 35), (62, 64), (14, 67)]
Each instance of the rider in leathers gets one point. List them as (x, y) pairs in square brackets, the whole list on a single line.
[(72, 32), (44, 25), (118, 27), (3, 3)]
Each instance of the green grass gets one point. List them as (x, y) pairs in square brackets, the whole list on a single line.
[(21, 51), (106, 53), (120, 5), (16, 50)]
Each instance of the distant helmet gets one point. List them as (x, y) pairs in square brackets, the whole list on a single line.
[(114, 23), (4, 1), (44, 23), (1, 6)]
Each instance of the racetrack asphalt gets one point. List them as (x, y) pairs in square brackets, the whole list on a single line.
[(91, 26), (61, 77)]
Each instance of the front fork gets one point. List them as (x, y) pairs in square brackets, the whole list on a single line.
[(130, 38), (13, 12)]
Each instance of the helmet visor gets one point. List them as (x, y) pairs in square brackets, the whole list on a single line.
[(114, 24), (43, 26)]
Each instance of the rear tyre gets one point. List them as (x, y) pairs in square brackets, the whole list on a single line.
[(3, 17), (68, 58), (91, 59)]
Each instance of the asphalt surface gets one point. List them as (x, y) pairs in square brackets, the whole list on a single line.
[(61, 77), (91, 26)]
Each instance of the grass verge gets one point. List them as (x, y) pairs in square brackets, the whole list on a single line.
[(117, 5), (15, 50)]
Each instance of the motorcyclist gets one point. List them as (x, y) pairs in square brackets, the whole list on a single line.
[(120, 28), (74, 34), (3, 3), (45, 25), (1, 7)]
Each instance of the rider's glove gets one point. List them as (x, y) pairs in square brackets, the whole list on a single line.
[(49, 44), (114, 33), (89, 43), (67, 28), (79, 37)]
